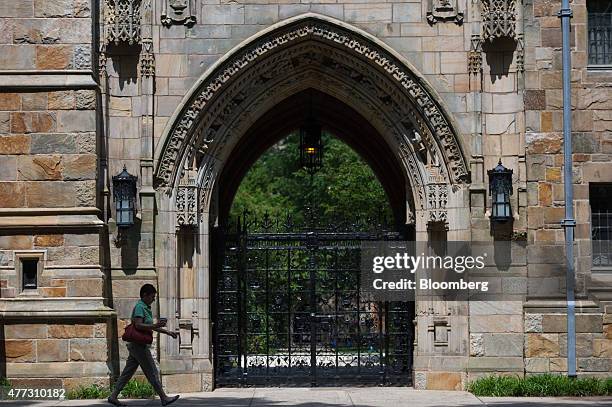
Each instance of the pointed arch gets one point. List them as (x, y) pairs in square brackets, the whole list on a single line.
[(388, 80)]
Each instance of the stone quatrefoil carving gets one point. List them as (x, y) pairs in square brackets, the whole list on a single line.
[(180, 136)]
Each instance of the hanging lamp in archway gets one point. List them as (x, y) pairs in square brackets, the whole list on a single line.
[(311, 146)]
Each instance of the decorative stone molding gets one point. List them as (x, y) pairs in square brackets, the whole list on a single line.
[(179, 141), (187, 205), (122, 21), (475, 55), (267, 80), (437, 198), (440, 329), (520, 53), (444, 10), (147, 59), (178, 12), (102, 59), (206, 183), (498, 19)]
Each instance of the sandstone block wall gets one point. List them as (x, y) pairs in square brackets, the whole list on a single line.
[(545, 328), (63, 135), (49, 196), (62, 355)]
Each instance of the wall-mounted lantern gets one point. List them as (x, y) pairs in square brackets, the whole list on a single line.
[(124, 193), (500, 189), (311, 146)]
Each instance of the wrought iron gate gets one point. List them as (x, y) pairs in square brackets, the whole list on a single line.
[(289, 311)]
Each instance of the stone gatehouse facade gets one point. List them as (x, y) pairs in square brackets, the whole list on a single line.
[(174, 89)]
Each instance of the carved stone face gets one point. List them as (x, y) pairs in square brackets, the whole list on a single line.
[(178, 5)]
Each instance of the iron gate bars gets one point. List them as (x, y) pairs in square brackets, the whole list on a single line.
[(289, 311)]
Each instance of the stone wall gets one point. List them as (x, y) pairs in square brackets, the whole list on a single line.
[(55, 334), (545, 324), (66, 128), (63, 355)]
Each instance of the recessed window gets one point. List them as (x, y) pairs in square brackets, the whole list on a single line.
[(600, 33), (29, 273), (600, 196)]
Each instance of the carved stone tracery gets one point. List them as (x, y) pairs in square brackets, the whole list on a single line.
[(437, 198), (187, 204), (233, 106), (147, 59), (475, 55), (122, 21), (498, 19), (520, 53), (181, 141)]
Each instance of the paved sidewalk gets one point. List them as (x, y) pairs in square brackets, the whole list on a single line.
[(345, 397)]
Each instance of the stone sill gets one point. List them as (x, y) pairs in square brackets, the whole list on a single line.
[(21, 218), (558, 306), (81, 210), (46, 79), (51, 308), (57, 369)]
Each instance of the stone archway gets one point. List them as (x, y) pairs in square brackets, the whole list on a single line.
[(306, 52)]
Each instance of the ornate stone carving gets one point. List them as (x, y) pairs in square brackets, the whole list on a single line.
[(147, 59), (341, 40), (444, 10), (102, 61), (437, 198), (178, 12), (122, 21), (498, 19), (187, 205), (207, 174), (520, 53), (475, 55)]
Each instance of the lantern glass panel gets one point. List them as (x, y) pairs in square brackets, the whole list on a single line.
[(500, 189), (311, 146), (125, 195)]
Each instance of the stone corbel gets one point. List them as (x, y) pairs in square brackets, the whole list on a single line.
[(181, 12), (444, 10)]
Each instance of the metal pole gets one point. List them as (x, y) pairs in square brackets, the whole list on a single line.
[(568, 223)]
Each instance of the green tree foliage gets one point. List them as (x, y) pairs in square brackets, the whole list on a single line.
[(345, 188)]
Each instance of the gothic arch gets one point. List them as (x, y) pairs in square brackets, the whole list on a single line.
[(220, 111), (357, 58)]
